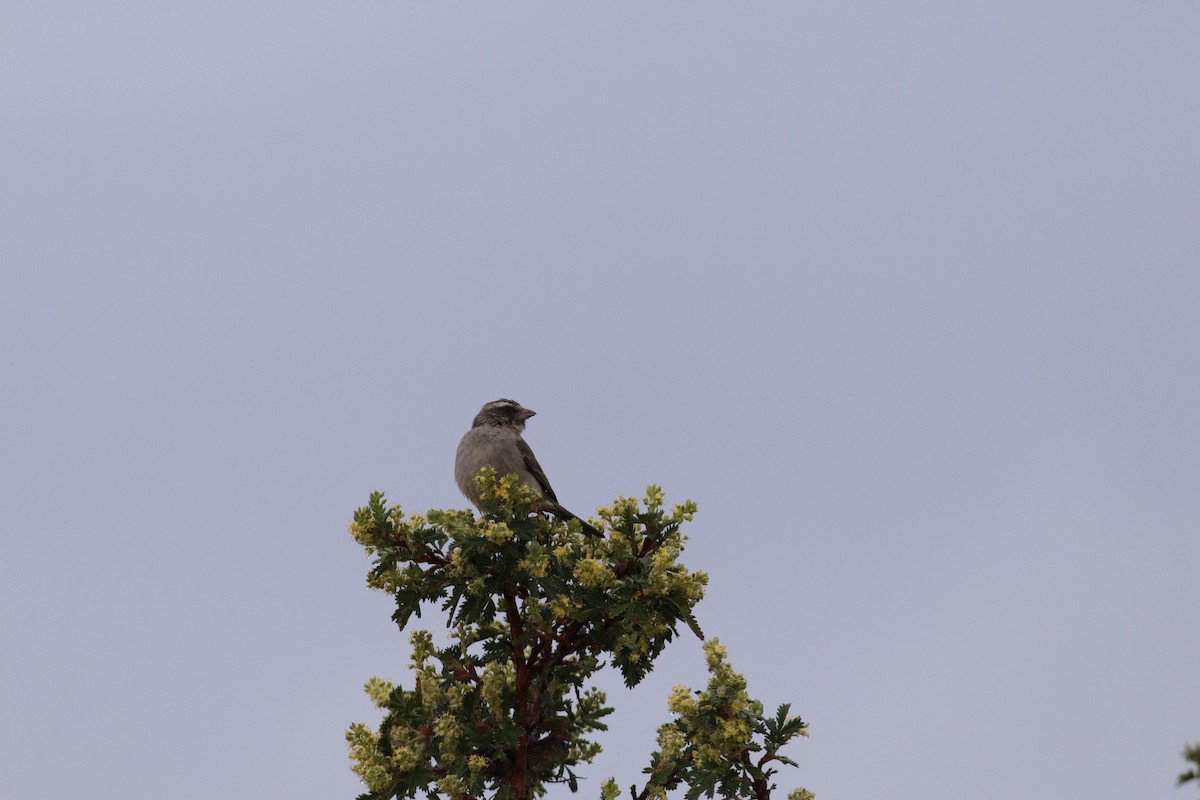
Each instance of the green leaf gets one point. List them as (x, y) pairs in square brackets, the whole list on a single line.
[(693, 624)]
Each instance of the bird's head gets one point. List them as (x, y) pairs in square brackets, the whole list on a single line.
[(505, 412)]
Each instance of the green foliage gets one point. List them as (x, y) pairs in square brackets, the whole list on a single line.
[(535, 608), (720, 742), (1191, 753)]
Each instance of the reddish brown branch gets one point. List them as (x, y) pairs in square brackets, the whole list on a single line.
[(516, 628), (762, 789), (671, 781)]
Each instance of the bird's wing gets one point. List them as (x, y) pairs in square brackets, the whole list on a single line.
[(535, 469)]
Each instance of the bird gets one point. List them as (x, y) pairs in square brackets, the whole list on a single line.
[(495, 441)]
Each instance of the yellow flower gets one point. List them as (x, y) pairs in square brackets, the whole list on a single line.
[(590, 572), (681, 700), (379, 691)]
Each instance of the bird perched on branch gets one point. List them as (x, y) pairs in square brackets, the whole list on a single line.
[(495, 441)]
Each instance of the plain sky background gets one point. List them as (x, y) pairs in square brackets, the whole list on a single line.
[(905, 296)]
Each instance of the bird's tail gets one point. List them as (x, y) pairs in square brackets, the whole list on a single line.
[(563, 514)]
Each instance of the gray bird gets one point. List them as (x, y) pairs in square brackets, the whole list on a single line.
[(495, 441)]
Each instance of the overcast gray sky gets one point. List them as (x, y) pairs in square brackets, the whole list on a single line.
[(903, 295)]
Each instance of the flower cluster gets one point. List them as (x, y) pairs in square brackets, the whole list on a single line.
[(719, 741)]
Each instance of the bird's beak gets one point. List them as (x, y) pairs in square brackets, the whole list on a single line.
[(525, 414)]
